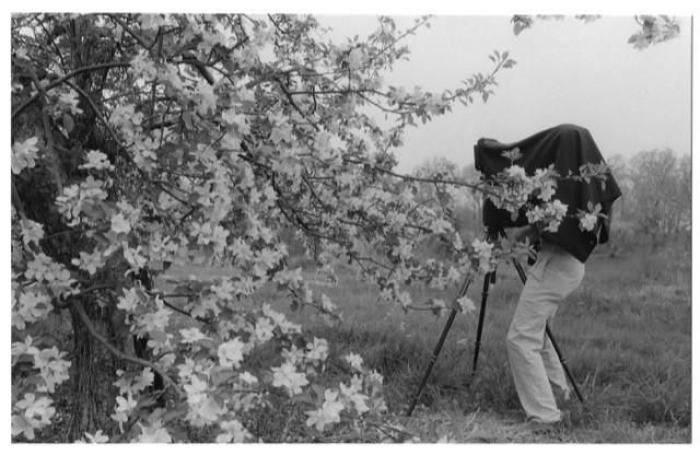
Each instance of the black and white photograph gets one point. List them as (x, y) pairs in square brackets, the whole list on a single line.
[(288, 225)]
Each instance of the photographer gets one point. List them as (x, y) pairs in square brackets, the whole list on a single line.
[(559, 267)]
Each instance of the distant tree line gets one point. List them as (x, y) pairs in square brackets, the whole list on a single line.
[(656, 197)]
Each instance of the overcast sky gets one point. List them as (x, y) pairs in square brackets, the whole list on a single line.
[(567, 72)]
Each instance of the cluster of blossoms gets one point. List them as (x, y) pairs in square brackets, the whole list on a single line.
[(37, 279), (513, 189), (484, 255), (355, 399), (551, 214), (34, 411)]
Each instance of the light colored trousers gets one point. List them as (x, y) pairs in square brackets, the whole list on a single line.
[(533, 360)]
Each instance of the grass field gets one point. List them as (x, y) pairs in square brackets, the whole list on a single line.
[(626, 335)]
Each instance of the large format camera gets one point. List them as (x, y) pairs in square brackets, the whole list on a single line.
[(567, 148)]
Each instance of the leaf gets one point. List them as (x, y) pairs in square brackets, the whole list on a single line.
[(466, 305), (68, 123), (437, 306), (174, 414), (155, 264), (304, 399), (187, 118), (20, 425), (317, 389), (221, 375)]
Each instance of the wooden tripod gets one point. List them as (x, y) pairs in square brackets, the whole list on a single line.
[(489, 279)]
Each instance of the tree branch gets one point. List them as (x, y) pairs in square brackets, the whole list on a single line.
[(417, 179), (295, 106), (68, 76), (118, 353), (54, 165), (94, 107)]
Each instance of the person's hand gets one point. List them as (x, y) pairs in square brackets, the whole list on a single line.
[(527, 233)]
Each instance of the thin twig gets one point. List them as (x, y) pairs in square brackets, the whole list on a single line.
[(138, 38), (183, 312), (16, 200), (389, 427)]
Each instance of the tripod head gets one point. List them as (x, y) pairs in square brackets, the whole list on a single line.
[(494, 233)]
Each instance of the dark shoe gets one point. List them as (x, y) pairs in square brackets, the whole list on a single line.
[(537, 426)]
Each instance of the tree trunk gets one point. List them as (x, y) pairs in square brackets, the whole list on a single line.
[(91, 401)]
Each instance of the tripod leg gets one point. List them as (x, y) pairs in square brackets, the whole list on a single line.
[(523, 278), (436, 351), (488, 279), (433, 358), (563, 363)]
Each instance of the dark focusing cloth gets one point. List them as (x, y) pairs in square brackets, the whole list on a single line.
[(567, 147)]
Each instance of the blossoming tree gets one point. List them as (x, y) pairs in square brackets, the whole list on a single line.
[(144, 140)]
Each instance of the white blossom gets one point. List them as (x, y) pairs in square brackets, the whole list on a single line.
[(193, 334), (248, 378), (96, 160), (589, 221), (354, 360), (154, 433), (24, 154), (516, 172), (234, 431), (317, 350), (120, 224), (31, 231), (98, 438), (466, 304), (264, 329), (231, 353), (89, 262), (286, 376), (328, 413), (129, 300)]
